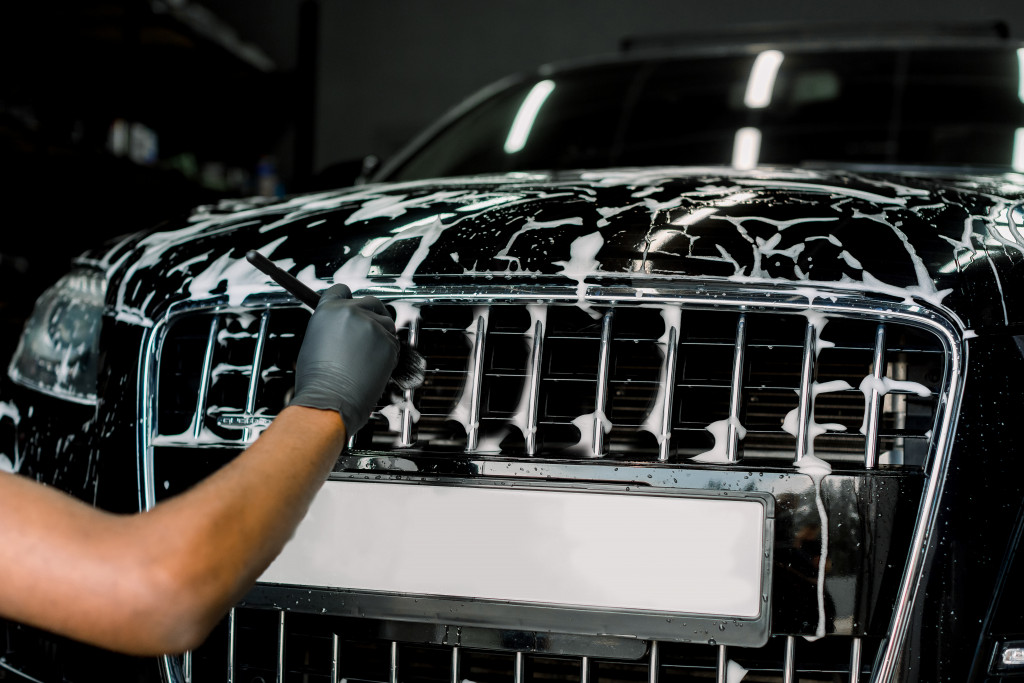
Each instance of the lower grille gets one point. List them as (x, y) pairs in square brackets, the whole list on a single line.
[(253, 645)]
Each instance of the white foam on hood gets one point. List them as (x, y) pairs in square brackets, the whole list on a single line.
[(243, 278), (528, 226), (583, 262)]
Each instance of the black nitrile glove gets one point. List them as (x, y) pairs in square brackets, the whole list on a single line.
[(347, 356)]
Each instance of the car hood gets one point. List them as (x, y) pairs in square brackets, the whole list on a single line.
[(951, 243)]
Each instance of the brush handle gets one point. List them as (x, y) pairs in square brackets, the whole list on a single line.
[(408, 373), (300, 291)]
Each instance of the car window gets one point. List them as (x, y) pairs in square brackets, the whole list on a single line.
[(875, 106)]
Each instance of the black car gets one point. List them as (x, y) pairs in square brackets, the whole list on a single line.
[(725, 353)]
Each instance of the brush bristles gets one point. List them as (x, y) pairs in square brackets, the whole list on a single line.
[(411, 368)]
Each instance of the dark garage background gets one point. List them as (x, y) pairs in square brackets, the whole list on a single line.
[(116, 115)]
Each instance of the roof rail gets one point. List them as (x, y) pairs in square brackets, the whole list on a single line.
[(803, 31)]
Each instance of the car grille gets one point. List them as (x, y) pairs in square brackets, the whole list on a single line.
[(694, 383), (554, 381), (253, 645)]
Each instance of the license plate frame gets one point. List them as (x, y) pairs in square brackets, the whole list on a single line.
[(458, 520)]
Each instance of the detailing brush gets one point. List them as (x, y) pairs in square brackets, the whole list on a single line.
[(409, 372)]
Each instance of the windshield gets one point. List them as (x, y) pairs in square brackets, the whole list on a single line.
[(946, 107)]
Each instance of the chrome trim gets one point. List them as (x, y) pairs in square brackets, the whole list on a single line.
[(406, 438), (281, 635), (335, 657), (456, 665), (584, 669), (393, 667), (654, 663), (736, 387), (204, 380), (668, 381), (875, 404), (10, 669), (536, 356), (775, 298), (601, 399), (473, 428), (722, 666), (254, 373), (186, 666), (503, 614), (789, 665), (855, 657), (519, 668), (806, 406), (931, 500), (231, 646), (146, 427)]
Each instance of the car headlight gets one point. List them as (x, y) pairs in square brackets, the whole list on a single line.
[(59, 346)]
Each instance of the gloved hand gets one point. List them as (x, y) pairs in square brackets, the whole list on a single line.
[(347, 356)]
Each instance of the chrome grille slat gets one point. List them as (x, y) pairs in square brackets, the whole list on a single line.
[(806, 406), (456, 669), (669, 384), (476, 383), (204, 379), (393, 668), (406, 439), (536, 358), (335, 658), (231, 646), (601, 399), (281, 641), (736, 388), (789, 663), (254, 375), (855, 657), (874, 404), (653, 663)]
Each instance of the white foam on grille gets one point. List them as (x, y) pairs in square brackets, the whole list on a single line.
[(672, 317)]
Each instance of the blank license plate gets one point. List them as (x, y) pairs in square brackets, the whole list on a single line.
[(609, 549)]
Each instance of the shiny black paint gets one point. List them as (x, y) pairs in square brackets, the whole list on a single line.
[(860, 215), (977, 536)]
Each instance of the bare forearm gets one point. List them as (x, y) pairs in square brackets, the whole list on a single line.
[(159, 581), (227, 529)]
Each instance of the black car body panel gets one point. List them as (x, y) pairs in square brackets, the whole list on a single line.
[(952, 244)]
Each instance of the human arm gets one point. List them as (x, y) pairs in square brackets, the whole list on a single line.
[(159, 581)]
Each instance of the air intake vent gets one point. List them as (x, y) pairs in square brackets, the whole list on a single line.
[(661, 383)]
